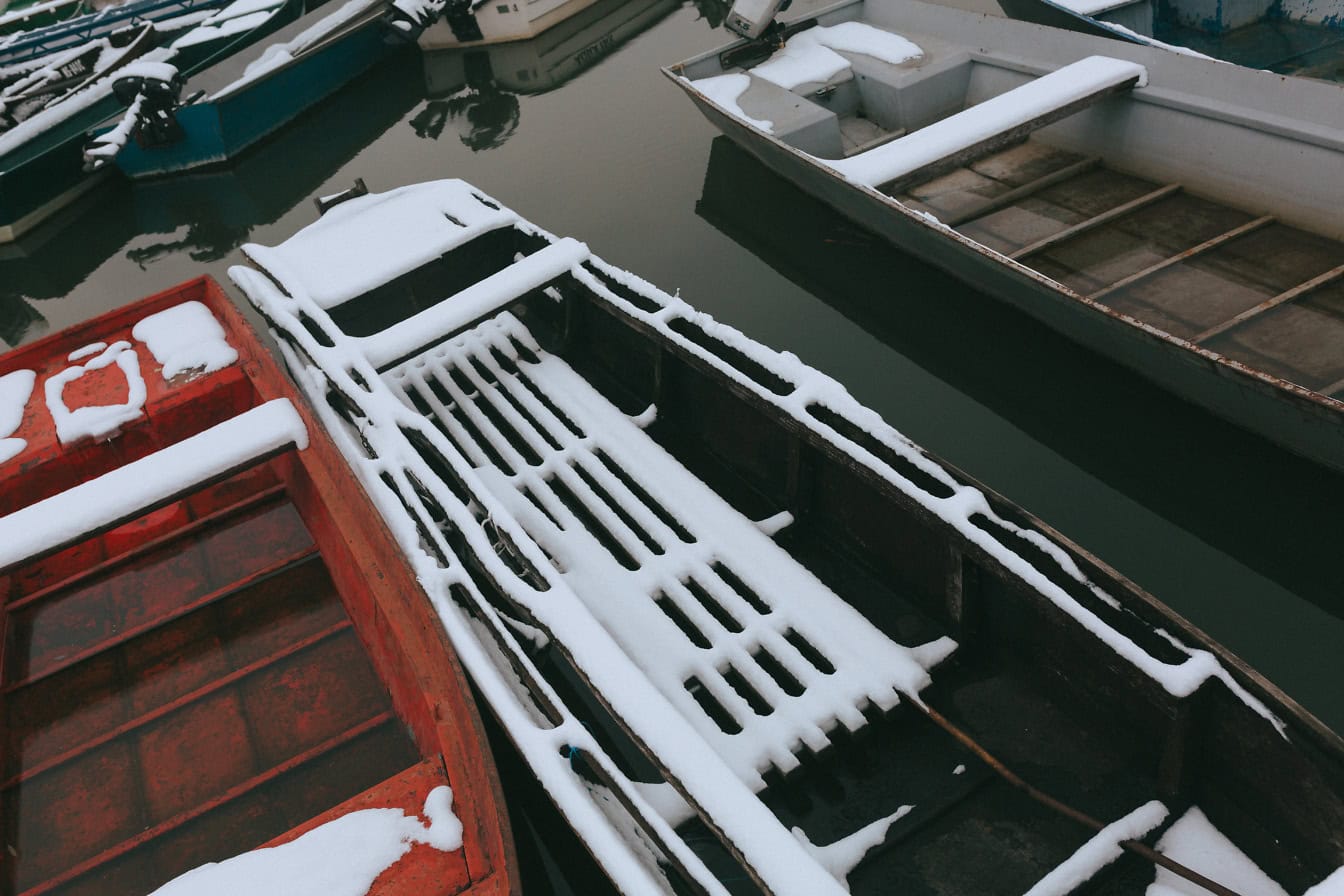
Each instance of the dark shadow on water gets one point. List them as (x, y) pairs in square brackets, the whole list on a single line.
[(1273, 511)]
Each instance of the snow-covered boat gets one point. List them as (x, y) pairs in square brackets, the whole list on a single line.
[(210, 643), (229, 107), (477, 90), (1176, 214), (1291, 37), (168, 16), (749, 637), (42, 160)]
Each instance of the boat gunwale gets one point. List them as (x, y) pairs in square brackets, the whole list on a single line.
[(305, 352), (385, 605), (748, 136)]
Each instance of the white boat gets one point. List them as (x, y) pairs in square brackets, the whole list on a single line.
[(750, 638), (1178, 215)]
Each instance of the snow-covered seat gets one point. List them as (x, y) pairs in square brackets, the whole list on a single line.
[(962, 137)]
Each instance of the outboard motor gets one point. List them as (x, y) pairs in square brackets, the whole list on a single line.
[(150, 92), (753, 18)]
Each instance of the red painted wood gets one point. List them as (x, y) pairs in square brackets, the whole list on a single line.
[(186, 693)]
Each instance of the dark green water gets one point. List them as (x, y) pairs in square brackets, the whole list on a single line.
[(1237, 535)]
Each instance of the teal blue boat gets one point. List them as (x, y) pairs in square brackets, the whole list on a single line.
[(253, 95), (42, 165)]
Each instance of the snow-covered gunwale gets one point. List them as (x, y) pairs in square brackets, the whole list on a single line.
[(210, 644), (737, 624), (252, 95), (1175, 214)]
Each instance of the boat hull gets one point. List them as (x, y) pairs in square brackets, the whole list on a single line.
[(1303, 421), (216, 131)]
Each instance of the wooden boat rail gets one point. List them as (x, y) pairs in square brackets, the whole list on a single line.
[(189, 617), (503, 476)]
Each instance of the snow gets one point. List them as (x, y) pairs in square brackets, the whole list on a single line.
[(941, 139), (153, 70), (475, 302), (213, 30), (15, 388), (592, 610), (1194, 842), (105, 146), (959, 770), (340, 858), (277, 56), (121, 493), (185, 338), (1333, 885), (725, 91), (1154, 42), (845, 854), (1100, 851), (69, 106), (97, 421), (346, 253), (1092, 7), (813, 57), (92, 348)]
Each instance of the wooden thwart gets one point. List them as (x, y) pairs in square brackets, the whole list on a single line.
[(1287, 296), (1203, 247), (1017, 194), (1005, 138), (1096, 221)]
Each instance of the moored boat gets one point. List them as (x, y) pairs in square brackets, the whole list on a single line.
[(749, 637), (237, 103), (42, 158), (1176, 214), (477, 89), (209, 642), (1290, 37)]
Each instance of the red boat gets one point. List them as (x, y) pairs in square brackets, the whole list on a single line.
[(211, 642)]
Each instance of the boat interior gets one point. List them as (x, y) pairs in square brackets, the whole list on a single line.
[(203, 677), (605, 422), (1078, 191)]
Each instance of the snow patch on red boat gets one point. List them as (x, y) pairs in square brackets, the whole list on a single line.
[(340, 858), (15, 389), (186, 338), (97, 421)]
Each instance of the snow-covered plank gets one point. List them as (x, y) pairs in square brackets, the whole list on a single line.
[(970, 133), (126, 491), (473, 303)]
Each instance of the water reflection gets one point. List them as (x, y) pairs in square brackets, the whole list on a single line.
[(205, 216), (1282, 525), (476, 90)]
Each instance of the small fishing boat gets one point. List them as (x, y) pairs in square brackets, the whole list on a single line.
[(27, 15), (229, 107), (477, 89), (169, 17), (1178, 215), (209, 642), (750, 638), (1290, 37), (42, 157), (26, 90), (467, 23)]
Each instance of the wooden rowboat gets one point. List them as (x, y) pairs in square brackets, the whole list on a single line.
[(750, 638), (1178, 215), (210, 643)]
